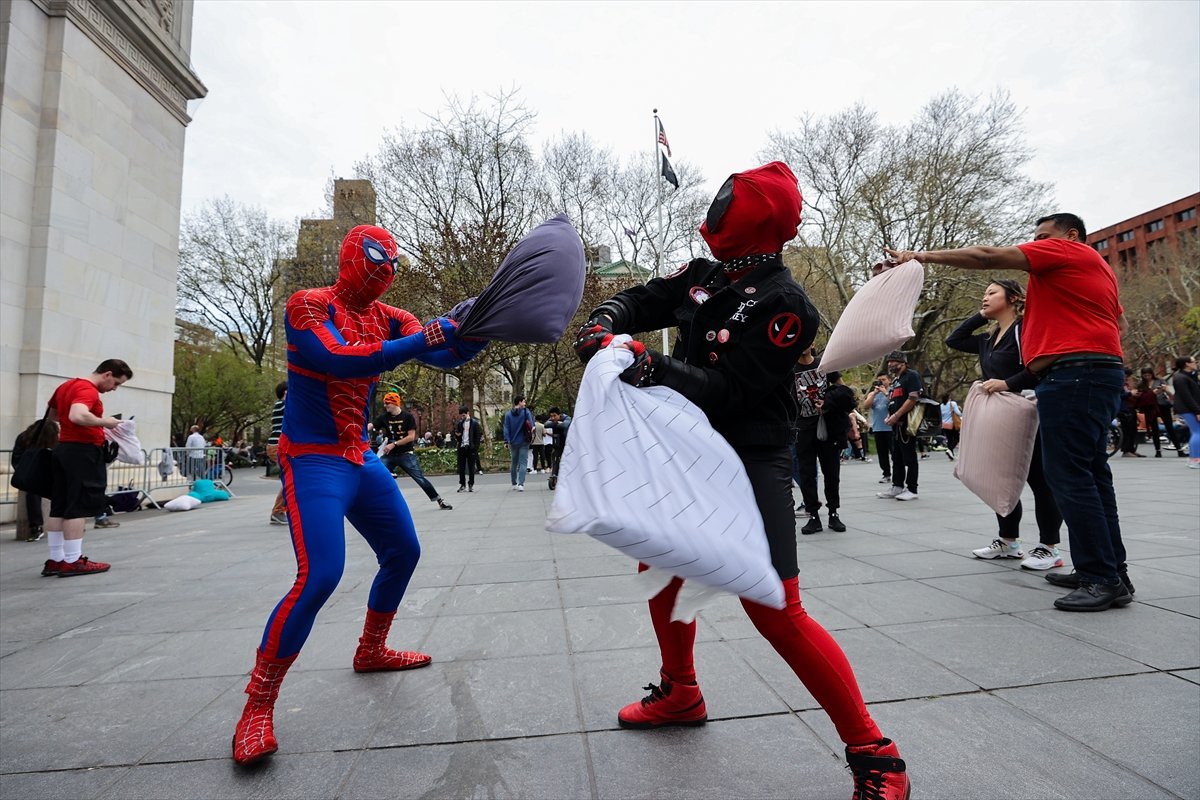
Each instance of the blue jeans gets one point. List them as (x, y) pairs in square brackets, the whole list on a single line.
[(1076, 405), (408, 462), (520, 463)]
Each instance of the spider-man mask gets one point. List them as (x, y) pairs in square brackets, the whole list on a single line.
[(367, 265), (756, 211)]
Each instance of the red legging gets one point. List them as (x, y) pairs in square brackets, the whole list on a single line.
[(808, 649)]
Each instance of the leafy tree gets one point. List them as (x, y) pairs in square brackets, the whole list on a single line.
[(952, 177), (230, 257), (220, 391), (1161, 296)]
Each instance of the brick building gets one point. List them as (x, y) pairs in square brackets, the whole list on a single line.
[(1136, 240)]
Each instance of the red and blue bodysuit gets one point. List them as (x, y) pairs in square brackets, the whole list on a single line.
[(339, 339)]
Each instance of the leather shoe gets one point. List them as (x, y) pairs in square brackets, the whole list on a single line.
[(1095, 597), (1070, 580)]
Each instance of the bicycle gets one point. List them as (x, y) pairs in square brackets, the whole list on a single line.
[(1115, 439)]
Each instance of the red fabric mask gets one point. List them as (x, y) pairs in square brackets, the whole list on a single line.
[(756, 211), (367, 265)]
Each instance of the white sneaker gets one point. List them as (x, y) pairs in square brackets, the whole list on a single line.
[(906, 495), (1042, 557), (891, 492), (1002, 549), (520, 487)]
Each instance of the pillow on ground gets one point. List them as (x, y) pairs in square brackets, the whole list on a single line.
[(206, 491), (185, 502), (996, 446), (877, 320), (644, 472)]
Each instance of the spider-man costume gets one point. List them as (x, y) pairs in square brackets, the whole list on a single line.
[(339, 339), (743, 324)]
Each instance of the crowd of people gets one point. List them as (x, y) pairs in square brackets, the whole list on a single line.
[(745, 339)]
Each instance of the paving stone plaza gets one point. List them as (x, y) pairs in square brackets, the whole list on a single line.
[(127, 684)]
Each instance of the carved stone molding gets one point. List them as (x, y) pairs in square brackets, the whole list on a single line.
[(137, 35)]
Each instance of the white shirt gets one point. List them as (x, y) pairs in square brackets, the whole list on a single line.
[(195, 445), (466, 434)]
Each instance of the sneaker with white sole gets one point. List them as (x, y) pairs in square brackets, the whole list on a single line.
[(1042, 557), (890, 493), (906, 495), (1001, 549)]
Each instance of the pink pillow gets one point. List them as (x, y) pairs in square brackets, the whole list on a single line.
[(996, 446), (877, 320)]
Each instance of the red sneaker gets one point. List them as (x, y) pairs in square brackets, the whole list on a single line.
[(82, 567), (667, 704), (51, 568), (879, 772)]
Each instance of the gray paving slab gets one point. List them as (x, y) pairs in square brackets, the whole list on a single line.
[(1121, 718), (127, 684)]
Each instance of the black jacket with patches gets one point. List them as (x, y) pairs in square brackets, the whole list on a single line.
[(736, 346)]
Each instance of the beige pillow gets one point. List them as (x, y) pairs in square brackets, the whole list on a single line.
[(877, 320), (996, 446)]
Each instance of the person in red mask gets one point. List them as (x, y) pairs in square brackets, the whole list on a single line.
[(339, 339), (743, 325)]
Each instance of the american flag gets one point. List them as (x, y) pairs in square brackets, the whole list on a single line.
[(662, 136)]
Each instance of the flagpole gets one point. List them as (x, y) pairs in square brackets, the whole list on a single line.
[(658, 181)]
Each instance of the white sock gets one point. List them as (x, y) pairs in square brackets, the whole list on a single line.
[(55, 540), (72, 550)]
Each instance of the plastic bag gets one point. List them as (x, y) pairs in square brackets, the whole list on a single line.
[(129, 447), (645, 473)]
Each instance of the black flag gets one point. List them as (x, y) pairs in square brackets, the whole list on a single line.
[(669, 173)]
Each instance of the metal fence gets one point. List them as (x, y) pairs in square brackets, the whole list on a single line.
[(166, 471)]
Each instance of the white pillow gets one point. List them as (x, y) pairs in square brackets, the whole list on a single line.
[(996, 446), (644, 472), (877, 320), (185, 502)]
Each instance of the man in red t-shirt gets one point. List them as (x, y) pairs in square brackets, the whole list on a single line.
[(80, 474), (1072, 343)]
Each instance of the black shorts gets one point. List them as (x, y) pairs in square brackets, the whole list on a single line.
[(80, 481)]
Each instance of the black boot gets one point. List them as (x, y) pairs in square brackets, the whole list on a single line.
[(813, 525), (835, 522)]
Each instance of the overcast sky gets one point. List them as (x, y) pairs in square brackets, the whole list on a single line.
[(298, 91)]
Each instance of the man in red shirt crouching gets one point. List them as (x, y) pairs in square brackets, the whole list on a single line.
[(80, 473), (1072, 343)]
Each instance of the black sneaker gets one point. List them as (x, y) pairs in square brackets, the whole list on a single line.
[(443, 505), (813, 525), (835, 523)]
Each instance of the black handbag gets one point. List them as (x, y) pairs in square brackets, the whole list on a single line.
[(35, 469)]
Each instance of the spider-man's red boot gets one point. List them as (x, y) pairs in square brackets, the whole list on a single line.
[(373, 655), (879, 772), (669, 703), (254, 736)]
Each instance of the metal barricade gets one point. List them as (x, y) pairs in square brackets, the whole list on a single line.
[(165, 470)]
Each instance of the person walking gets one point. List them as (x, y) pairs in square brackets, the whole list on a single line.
[(1002, 368), (1146, 397), (1073, 324), (398, 429), (743, 324), (518, 433), (79, 469), (468, 433), (951, 422), (876, 403), (1166, 403), (820, 439), (1187, 404)]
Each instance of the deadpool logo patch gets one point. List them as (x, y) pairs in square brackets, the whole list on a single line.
[(784, 330)]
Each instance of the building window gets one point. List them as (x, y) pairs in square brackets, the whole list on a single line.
[(1155, 226), (1186, 214), (1101, 245), (1127, 236)]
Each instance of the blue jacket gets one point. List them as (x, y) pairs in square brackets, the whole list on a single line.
[(514, 426)]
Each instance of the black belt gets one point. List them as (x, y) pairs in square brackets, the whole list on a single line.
[(1086, 361)]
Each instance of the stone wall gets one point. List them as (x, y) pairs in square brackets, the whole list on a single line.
[(92, 125)]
